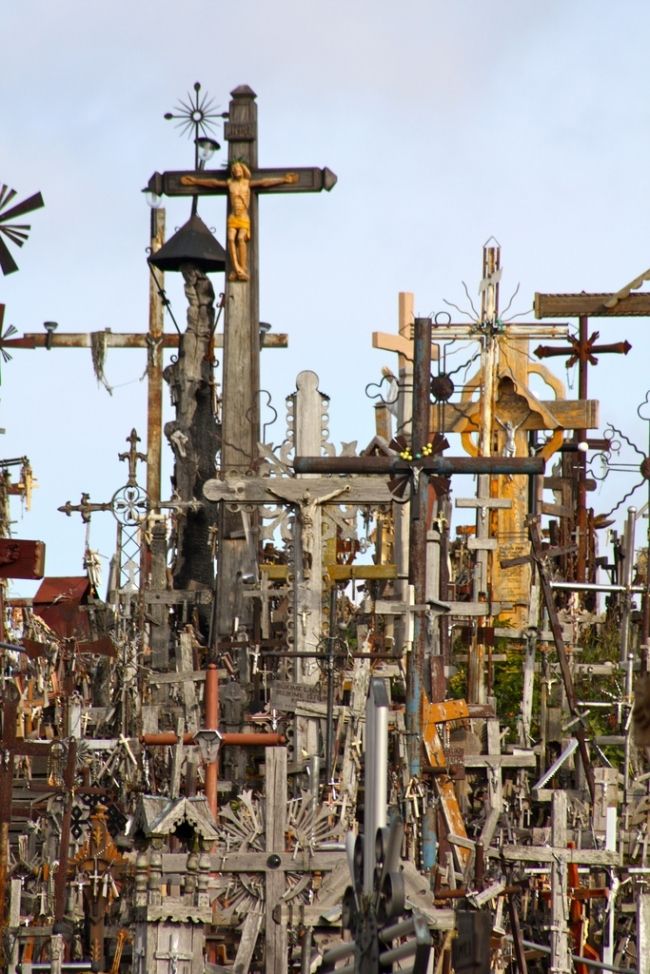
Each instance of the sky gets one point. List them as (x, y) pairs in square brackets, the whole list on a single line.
[(446, 123)]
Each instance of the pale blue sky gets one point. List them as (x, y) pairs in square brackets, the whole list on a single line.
[(445, 122)]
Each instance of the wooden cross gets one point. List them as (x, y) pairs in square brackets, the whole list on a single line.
[(273, 863), (101, 861), (241, 182), (420, 466), (242, 339)]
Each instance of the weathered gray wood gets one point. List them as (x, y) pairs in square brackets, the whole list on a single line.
[(482, 544), (294, 490), (643, 933), (14, 920), (385, 607), (523, 760), (249, 934), (560, 955), (193, 434), (197, 676), (158, 614), (583, 857), (251, 862), (241, 382), (489, 503), (276, 938), (309, 409), (183, 663)]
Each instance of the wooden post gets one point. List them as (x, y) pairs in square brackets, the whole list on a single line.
[(309, 406), (155, 363), (643, 933), (560, 956), (276, 940)]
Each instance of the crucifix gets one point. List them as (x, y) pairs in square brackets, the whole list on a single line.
[(304, 510), (493, 422), (241, 183), (418, 465), (101, 862)]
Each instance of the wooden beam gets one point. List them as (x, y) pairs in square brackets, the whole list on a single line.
[(530, 853), (293, 490), (122, 340), (570, 414), (590, 305)]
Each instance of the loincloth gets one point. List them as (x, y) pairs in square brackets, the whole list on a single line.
[(239, 222)]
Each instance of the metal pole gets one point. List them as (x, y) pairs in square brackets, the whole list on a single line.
[(581, 435), (211, 723), (415, 673), (376, 774), (582, 960), (596, 587), (444, 466), (329, 742), (155, 364), (628, 566)]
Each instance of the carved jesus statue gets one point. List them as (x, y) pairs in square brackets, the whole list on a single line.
[(239, 186), (509, 448)]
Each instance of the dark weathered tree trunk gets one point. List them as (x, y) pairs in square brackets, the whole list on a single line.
[(194, 434)]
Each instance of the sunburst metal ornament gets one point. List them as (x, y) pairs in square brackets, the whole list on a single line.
[(17, 233), (195, 117)]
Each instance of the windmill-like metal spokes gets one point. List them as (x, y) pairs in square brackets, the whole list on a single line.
[(4, 334), (17, 233), (6, 195)]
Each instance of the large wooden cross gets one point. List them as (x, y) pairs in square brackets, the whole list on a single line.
[(241, 182), (504, 412), (242, 327)]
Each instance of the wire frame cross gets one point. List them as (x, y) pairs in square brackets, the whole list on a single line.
[(617, 439)]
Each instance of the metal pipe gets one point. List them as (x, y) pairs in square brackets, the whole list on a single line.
[(339, 951), (418, 517), (305, 951), (77, 965), (578, 959), (628, 566), (238, 739), (376, 774), (211, 723), (580, 436), (397, 953), (403, 928), (329, 739), (443, 466), (595, 587)]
